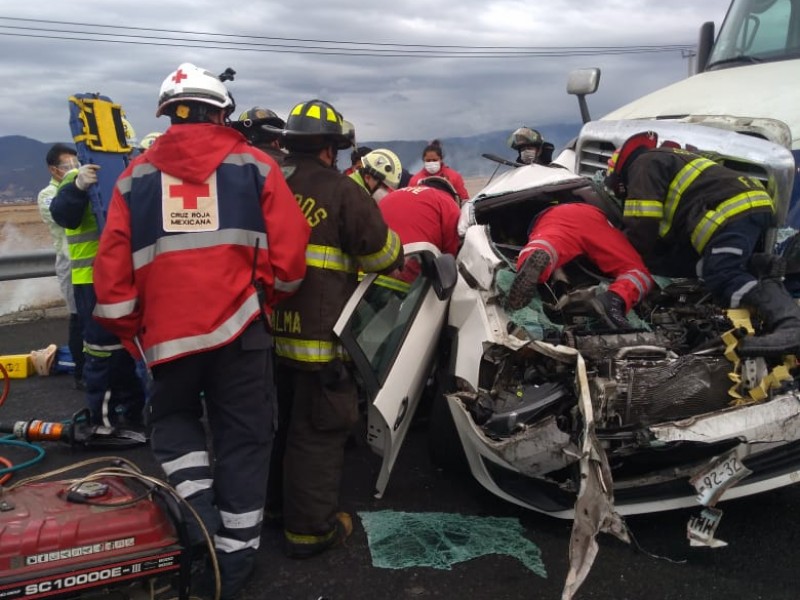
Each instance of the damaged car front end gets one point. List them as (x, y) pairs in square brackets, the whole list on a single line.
[(667, 399), (549, 409)]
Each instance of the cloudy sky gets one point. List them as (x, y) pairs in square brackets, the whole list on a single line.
[(388, 75)]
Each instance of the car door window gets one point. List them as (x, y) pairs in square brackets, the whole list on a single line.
[(382, 317)]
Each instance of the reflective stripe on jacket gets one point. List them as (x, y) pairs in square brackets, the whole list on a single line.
[(193, 223), (348, 234), (679, 196), (82, 243)]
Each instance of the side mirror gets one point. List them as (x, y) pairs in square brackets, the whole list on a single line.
[(704, 46), (581, 83), (444, 275)]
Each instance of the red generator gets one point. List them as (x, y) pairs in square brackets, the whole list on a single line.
[(66, 540)]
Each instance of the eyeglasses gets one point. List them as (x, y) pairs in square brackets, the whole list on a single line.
[(68, 166)]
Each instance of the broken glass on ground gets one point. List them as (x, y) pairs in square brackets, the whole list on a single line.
[(399, 540)]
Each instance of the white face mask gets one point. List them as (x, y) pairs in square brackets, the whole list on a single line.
[(433, 166), (528, 156), (380, 193)]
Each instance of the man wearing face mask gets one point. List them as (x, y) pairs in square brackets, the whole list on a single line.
[(379, 173), (317, 394), (530, 147), (60, 160), (433, 164)]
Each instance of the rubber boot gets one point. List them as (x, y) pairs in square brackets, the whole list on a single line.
[(235, 569), (523, 288), (781, 318), (305, 546), (610, 307)]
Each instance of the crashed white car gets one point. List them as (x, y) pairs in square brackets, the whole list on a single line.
[(545, 406)]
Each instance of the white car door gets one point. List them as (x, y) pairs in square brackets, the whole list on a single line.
[(390, 327)]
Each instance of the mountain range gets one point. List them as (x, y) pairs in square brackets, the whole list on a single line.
[(23, 171)]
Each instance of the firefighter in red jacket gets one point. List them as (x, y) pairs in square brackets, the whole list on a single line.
[(563, 232), (203, 237), (315, 385), (678, 204), (424, 213)]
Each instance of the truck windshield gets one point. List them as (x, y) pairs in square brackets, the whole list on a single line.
[(757, 31)]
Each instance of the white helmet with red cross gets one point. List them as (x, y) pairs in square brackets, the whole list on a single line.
[(191, 83)]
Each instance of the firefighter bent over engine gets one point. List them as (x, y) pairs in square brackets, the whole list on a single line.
[(680, 206)]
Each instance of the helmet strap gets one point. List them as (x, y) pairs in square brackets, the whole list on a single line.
[(368, 173), (329, 154)]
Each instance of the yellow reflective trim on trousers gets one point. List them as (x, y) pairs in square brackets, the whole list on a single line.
[(308, 351), (685, 177), (393, 284), (303, 538), (385, 257), (732, 207), (651, 209), (329, 257)]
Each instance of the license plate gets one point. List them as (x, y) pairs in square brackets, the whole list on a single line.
[(701, 529), (716, 478)]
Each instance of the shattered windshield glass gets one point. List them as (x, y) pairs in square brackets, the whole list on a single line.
[(399, 540)]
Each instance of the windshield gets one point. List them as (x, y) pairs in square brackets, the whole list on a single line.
[(756, 31)]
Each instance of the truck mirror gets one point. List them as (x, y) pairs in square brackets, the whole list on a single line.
[(582, 82), (704, 46)]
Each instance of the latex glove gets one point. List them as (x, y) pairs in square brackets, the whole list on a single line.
[(466, 219), (87, 175)]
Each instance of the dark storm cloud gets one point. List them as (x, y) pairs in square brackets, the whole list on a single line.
[(387, 98)]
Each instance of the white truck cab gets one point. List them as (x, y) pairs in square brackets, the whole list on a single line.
[(746, 81)]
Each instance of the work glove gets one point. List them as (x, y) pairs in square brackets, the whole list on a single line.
[(87, 175), (610, 307), (466, 219), (767, 266)]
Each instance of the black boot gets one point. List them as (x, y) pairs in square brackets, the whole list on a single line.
[(781, 318), (523, 288), (610, 307)]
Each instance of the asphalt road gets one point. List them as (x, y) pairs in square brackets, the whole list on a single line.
[(760, 562)]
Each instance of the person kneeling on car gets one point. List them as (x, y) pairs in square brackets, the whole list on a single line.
[(564, 232)]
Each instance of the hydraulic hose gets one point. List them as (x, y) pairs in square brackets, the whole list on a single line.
[(23, 465), (10, 468)]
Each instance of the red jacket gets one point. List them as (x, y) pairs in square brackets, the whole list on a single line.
[(423, 214), (567, 231), (451, 175), (191, 222)]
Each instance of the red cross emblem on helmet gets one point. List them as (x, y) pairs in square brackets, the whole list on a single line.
[(179, 76)]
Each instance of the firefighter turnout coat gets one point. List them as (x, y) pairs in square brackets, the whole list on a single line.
[(202, 235), (348, 234), (678, 197)]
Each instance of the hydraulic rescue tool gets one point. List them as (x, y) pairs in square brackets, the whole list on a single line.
[(76, 432)]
